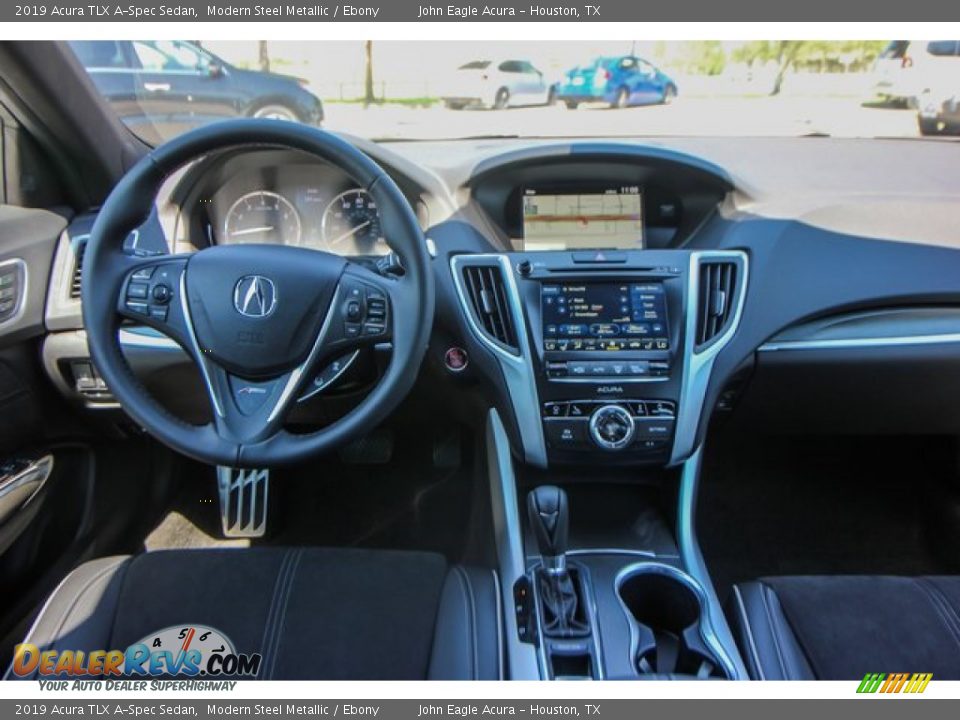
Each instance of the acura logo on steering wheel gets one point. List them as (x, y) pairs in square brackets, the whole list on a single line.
[(255, 296)]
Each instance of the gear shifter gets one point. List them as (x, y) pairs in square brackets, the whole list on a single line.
[(550, 519), (559, 591)]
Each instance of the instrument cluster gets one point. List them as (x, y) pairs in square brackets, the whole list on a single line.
[(311, 206)]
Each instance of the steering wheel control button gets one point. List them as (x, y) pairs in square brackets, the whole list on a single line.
[(612, 427), (158, 313), (161, 293), (143, 273), (137, 291), (354, 311), (141, 308), (456, 359)]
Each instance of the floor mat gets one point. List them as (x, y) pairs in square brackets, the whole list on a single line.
[(787, 506), (406, 503)]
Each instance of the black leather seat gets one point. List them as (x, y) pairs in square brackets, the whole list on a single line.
[(311, 613), (842, 627)]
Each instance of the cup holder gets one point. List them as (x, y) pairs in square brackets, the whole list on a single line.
[(666, 608)]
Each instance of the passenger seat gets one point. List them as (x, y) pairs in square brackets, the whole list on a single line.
[(841, 627)]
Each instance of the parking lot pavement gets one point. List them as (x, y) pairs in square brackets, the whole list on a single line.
[(737, 116)]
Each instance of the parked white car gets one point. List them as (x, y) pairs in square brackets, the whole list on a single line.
[(906, 69), (498, 84)]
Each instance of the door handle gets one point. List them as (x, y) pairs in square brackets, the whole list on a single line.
[(21, 482), (156, 87)]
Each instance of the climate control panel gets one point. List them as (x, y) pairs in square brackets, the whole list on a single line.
[(633, 426)]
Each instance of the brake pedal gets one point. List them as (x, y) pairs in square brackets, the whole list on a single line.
[(243, 501)]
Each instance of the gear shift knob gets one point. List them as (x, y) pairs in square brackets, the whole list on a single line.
[(550, 519)]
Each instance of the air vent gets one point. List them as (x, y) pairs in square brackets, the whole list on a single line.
[(718, 282), (79, 248), (488, 297), (12, 283)]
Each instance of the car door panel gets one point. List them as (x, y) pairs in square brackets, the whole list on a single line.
[(28, 238)]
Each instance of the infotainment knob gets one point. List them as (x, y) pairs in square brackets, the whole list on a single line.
[(611, 427)]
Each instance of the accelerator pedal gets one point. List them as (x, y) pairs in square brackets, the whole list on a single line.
[(243, 501)]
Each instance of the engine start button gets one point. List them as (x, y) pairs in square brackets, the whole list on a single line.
[(456, 359)]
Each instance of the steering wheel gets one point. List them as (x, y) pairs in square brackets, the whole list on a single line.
[(258, 320)]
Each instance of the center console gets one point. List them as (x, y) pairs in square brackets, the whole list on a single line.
[(606, 353), (607, 336), (606, 356)]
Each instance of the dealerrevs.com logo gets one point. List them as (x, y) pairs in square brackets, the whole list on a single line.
[(187, 651)]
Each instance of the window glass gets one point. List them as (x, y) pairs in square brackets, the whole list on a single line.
[(98, 54)]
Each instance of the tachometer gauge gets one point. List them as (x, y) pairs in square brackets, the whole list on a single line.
[(262, 217), (351, 225)]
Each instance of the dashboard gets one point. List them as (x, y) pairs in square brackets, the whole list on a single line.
[(604, 250)]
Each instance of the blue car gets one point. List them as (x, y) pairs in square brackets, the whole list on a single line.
[(620, 81)]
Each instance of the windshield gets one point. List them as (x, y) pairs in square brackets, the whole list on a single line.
[(395, 90)]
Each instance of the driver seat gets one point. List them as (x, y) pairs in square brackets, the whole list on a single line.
[(312, 613)]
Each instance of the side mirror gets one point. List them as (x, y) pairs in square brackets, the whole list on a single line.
[(215, 70)]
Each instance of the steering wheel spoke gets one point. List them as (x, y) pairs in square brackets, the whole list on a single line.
[(249, 411)]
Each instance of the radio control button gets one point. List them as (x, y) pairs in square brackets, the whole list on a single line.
[(652, 428), (579, 369), (555, 410), (661, 408), (579, 409), (565, 434), (612, 427)]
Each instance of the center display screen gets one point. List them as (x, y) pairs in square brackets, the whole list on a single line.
[(585, 317), (610, 219)]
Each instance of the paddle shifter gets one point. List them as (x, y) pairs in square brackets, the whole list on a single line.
[(560, 591)]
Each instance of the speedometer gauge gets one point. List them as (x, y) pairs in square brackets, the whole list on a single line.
[(351, 225), (262, 217)]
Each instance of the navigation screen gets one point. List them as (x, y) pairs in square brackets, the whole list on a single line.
[(612, 219), (604, 316)]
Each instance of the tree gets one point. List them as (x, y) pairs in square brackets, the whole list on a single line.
[(783, 52), (369, 97), (820, 54), (263, 55)]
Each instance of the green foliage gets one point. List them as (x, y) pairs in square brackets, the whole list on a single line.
[(819, 54)]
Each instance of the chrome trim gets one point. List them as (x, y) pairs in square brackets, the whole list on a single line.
[(609, 551), (866, 342), (509, 541), (20, 300), (317, 389), (697, 366), (705, 621), (517, 370), (154, 340), (611, 378), (297, 373), (498, 593), (611, 444), (17, 490), (751, 642), (693, 563), (195, 346)]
